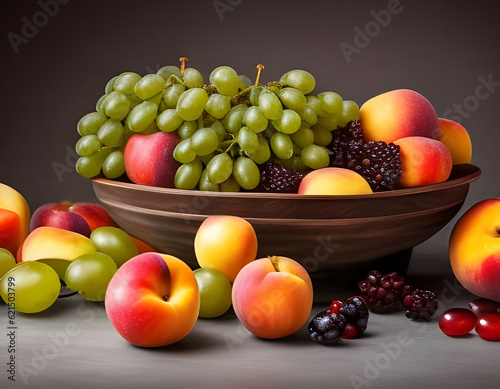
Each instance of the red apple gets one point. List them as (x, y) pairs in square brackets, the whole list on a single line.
[(474, 249), (153, 300), (77, 217), (149, 159)]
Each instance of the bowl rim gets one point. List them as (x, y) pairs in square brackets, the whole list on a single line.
[(471, 174)]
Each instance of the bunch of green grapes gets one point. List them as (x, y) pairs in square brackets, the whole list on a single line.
[(227, 127)]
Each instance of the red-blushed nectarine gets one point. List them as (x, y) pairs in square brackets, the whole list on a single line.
[(226, 243), (15, 216), (334, 181), (474, 249), (424, 161), (398, 114), (273, 297), (149, 159), (153, 300), (457, 139)]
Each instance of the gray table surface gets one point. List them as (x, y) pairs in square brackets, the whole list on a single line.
[(73, 344)]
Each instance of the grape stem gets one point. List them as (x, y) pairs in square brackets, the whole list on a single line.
[(260, 67), (183, 64)]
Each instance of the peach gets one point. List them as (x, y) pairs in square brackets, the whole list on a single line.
[(273, 297), (153, 300), (15, 218), (149, 159), (55, 247), (424, 161), (94, 214), (457, 139), (334, 181), (398, 114), (225, 243), (474, 249)]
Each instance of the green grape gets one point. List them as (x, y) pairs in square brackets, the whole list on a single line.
[(282, 145), (350, 111), (245, 80), (148, 86), (254, 94), (142, 116), (191, 104), (225, 80), (329, 122), (192, 78), (248, 140), (111, 133), (263, 152), (110, 86), (254, 119), (289, 122), (169, 120), (315, 157), (270, 104), (89, 275), (230, 185), (90, 166), (114, 242), (183, 152), (294, 163), (87, 145), (156, 99), (151, 129), (187, 129), (218, 105), (172, 94), (331, 102), (218, 127), (215, 292), (322, 136), (98, 105), (90, 123), (205, 159), (116, 106), (114, 165), (293, 99), (206, 184), (134, 101), (299, 79), (188, 175), (166, 71), (204, 141), (125, 83), (314, 103), (30, 287), (7, 261), (233, 120), (308, 116), (303, 137), (219, 168), (246, 173)]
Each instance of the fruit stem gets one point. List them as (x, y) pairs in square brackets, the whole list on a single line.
[(259, 67), (275, 261), (183, 64)]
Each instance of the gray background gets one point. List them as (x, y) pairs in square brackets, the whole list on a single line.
[(440, 49)]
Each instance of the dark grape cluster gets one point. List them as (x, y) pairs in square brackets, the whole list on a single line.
[(378, 162), (276, 178)]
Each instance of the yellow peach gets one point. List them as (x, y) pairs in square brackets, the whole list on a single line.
[(457, 139), (334, 181)]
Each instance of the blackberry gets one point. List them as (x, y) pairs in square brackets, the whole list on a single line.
[(326, 328), (356, 314), (384, 293), (378, 162), (275, 178), (420, 305)]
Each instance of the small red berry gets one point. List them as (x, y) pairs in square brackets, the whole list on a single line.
[(488, 326), (457, 322), (481, 305)]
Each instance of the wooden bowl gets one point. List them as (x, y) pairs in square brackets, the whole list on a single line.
[(324, 233)]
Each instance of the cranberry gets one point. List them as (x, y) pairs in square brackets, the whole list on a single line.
[(481, 305), (457, 322), (488, 326)]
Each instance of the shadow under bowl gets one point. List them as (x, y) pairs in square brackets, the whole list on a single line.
[(325, 234)]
